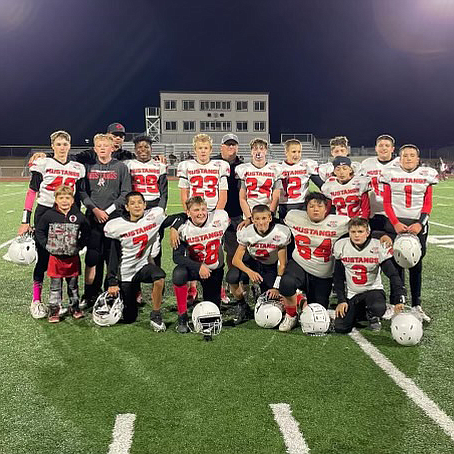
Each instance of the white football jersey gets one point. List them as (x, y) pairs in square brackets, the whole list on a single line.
[(314, 241), (326, 170), (346, 197), (295, 180), (204, 242), (362, 267), (55, 174), (136, 238), (259, 183), (408, 189), (145, 176), (204, 180), (372, 168), (264, 248)]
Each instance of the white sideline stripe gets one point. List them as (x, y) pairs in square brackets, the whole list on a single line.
[(289, 428), (441, 225), (7, 243), (122, 434), (444, 197), (12, 193), (419, 397)]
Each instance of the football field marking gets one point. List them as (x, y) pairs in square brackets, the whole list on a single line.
[(408, 386), (289, 427), (6, 243), (441, 225), (122, 434), (11, 193)]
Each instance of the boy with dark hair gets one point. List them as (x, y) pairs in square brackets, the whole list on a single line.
[(63, 231)]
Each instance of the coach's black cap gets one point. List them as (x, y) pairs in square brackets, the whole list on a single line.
[(342, 161), (116, 127)]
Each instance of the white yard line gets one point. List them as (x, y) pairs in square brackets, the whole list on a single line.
[(12, 193), (289, 427), (443, 197), (7, 243), (408, 386), (441, 225), (122, 434)]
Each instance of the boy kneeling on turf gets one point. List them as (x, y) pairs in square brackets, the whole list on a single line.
[(261, 257), (63, 231), (359, 260)]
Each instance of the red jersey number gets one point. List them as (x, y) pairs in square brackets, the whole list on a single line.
[(142, 183), (292, 187), (323, 250), (252, 190), (208, 254), (71, 182), (143, 241), (360, 276), (350, 206), (204, 186)]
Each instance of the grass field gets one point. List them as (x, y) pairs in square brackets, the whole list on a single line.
[(62, 386)]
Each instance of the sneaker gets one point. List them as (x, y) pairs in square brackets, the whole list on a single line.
[(54, 318), (38, 309), (156, 322), (183, 326), (288, 323), (77, 313), (417, 310), (224, 298), (63, 311), (243, 313), (374, 324)]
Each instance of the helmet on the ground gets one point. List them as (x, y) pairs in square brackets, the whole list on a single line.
[(407, 250), (268, 312), (406, 329), (314, 319), (107, 309), (22, 250), (206, 318)]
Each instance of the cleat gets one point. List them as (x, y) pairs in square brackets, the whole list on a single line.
[(224, 298), (38, 310), (243, 313), (54, 318), (156, 322), (63, 311), (76, 313), (288, 323), (420, 314), (374, 324), (183, 326)]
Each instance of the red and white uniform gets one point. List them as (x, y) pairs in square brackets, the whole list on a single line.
[(264, 249), (145, 177), (204, 242), (350, 199), (372, 168), (295, 180), (136, 238), (326, 170), (259, 183), (408, 194), (204, 180), (55, 174), (362, 267), (314, 241)]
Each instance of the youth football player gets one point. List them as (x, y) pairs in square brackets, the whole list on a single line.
[(134, 236), (359, 260), (348, 193), (261, 182), (296, 174), (199, 256), (407, 201), (47, 174), (261, 257), (312, 264), (372, 168), (339, 147)]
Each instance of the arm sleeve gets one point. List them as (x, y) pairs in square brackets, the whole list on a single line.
[(427, 204), (163, 191), (339, 281), (317, 181), (35, 181), (387, 205), (365, 205), (181, 257), (114, 263), (397, 288)]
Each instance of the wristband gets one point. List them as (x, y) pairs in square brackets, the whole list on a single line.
[(26, 215), (277, 282)]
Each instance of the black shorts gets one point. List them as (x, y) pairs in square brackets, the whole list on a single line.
[(230, 239)]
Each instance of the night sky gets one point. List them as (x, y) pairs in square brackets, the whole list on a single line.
[(352, 67)]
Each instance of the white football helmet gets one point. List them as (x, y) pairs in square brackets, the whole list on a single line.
[(206, 318), (22, 250), (268, 312), (407, 250), (314, 319), (107, 309), (406, 329)]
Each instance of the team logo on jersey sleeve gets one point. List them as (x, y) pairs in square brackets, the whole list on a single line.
[(276, 238), (73, 218)]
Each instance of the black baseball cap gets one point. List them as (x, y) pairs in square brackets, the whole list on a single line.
[(116, 127), (342, 161)]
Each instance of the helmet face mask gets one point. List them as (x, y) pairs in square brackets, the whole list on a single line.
[(315, 320), (206, 318), (406, 329), (107, 309), (268, 313), (22, 250), (407, 250)]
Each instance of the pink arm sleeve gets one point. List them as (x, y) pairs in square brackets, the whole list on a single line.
[(30, 200)]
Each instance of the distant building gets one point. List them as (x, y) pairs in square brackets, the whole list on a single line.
[(184, 114)]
